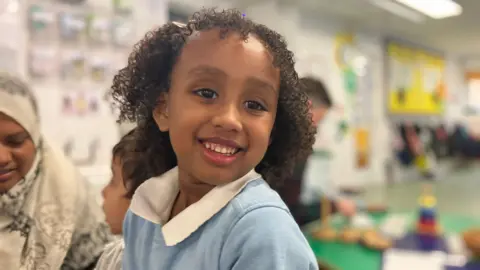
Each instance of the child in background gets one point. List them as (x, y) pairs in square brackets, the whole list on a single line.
[(219, 115), (311, 178), (117, 196), (116, 199)]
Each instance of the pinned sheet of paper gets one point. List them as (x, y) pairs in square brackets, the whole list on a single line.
[(395, 259)]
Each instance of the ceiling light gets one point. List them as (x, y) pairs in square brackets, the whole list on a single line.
[(399, 10), (437, 9)]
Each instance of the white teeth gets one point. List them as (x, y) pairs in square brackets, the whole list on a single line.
[(226, 150)]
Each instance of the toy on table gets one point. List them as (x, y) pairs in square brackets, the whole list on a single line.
[(322, 265), (374, 240), (471, 238), (427, 219), (350, 234), (325, 231)]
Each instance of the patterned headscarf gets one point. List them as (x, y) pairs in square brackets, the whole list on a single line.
[(52, 219)]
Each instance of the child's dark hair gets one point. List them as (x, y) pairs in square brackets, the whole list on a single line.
[(316, 91), (133, 173), (137, 87)]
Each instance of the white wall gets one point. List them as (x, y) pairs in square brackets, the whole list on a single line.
[(57, 127), (306, 36), (309, 35)]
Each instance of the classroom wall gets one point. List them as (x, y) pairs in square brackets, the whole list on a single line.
[(306, 36), (58, 125), (311, 37)]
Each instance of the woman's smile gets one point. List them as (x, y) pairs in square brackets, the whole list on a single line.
[(6, 174)]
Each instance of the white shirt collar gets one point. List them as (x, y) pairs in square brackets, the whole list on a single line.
[(153, 201)]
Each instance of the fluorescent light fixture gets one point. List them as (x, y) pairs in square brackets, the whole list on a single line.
[(437, 9), (400, 10)]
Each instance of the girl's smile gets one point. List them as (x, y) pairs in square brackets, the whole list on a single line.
[(220, 152)]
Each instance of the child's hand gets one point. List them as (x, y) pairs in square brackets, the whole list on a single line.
[(346, 207)]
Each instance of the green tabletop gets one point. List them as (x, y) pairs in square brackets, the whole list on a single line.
[(356, 257)]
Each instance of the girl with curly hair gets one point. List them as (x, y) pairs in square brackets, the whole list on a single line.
[(220, 120)]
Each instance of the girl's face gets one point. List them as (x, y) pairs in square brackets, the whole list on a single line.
[(17, 152), (221, 106), (115, 204)]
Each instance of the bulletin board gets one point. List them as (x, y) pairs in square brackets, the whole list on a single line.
[(356, 70), (68, 51), (415, 80)]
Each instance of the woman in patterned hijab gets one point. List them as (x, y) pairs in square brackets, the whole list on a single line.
[(49, 220)]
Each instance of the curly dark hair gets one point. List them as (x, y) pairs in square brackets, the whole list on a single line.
[(136, 89), (131, 162)]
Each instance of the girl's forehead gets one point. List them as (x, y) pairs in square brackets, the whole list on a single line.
[(207, 45), (212, 37), (231, 53)]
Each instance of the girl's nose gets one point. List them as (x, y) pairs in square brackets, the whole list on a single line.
[(229, 118)]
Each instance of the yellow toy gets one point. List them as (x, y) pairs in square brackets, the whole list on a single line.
[(427, 219)]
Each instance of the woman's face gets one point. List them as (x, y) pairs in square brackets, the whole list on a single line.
[(17, 152)]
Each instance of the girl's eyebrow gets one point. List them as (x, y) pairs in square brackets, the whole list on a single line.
[(261, 84), (251, 81), (205, 69)]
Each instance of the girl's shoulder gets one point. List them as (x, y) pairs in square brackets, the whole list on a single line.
[(257, 194)]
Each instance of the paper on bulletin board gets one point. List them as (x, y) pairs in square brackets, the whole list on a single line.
[(474, 94), (416, 81), (10, 47), (9, 58), (362, 147)]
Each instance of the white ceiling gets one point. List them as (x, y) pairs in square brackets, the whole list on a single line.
[(458, 35)]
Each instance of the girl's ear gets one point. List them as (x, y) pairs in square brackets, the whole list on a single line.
[(160, 112)]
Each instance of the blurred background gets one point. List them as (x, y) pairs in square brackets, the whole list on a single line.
[(404, 77)]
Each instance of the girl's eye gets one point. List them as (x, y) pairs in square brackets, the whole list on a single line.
[(254, 105), (206, 93)]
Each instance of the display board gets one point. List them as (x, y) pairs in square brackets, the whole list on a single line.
[(415, 80), (357, 75), (69, 51)]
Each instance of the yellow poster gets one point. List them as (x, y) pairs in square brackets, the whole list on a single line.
[(416, 81)]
